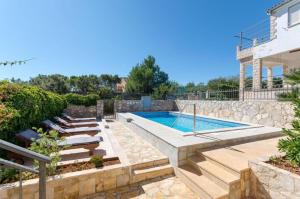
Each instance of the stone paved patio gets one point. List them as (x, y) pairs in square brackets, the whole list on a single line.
[(136, 149), (166, 187)]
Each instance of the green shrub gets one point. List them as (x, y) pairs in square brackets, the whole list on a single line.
[(86, 100), (47, 145), (97, 160), (24, 106)]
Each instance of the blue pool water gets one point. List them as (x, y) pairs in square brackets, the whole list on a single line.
[(185, 123)]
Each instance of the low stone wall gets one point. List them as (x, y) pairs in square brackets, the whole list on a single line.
[(269, 182), (136, 105), (268, 113), (72, 185), (81, 111)]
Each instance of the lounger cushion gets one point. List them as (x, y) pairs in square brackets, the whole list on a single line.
[(28, 135), (62, 121), (78, 119), (82, 129), (80, 141), (53, 126)]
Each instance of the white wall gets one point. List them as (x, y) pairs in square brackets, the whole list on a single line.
[(288, 38)]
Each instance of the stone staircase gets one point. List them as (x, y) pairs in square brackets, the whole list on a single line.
[(151, 170), (217, 174)]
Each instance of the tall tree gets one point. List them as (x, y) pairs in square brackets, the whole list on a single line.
[(55, 83), (145, 77)]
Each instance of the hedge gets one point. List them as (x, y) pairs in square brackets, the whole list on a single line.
[(86, 100), (24, 106)]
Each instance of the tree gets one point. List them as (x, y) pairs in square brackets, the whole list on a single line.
[(145, 77), (165, 89), (56, 83), (223, 83), (110, 80)]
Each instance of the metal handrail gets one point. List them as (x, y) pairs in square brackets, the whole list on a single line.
[(180, 113), (30, 154)]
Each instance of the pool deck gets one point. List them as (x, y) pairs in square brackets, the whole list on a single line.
[(178, 147)]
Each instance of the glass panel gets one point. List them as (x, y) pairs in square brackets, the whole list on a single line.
[(294, 14)]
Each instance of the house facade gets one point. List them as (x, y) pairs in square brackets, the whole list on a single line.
[(272, 43)]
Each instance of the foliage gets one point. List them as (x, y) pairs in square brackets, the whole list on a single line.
[(191, 87), (97, 160), (83, 84), (7, 175), (110, 81), (86, 100), (223, 83), (291, 144), (24, 106), (145, 77), (54, 83), (105, 93), (47, 145), (163, 90)]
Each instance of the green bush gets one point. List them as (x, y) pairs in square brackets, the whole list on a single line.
[(47, 145), (86, 100), (97, 160), (24, 106)]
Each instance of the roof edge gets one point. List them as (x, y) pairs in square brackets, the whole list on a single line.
[(278, 5)]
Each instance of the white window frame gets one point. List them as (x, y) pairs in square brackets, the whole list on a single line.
[(289, 17)]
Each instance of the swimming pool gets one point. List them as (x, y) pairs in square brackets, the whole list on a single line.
[(185, 123)]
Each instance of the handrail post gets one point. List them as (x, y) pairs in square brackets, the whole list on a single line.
[(42, 180), (194, 118), (20, 186)]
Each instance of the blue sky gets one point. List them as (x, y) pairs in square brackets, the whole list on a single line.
[(192, 40)]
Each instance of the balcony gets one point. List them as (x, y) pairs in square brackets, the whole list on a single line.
[(255, 35)]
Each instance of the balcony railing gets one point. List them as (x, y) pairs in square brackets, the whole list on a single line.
[(255, 35)]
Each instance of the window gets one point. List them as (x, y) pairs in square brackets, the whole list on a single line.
[(294, 15)]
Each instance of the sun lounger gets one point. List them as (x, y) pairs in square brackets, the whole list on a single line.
[(74, 120), (71, 131), (89, 143), (67, 124)]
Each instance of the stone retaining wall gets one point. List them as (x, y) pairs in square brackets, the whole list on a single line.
[(136, 105), (72, 185), (81, 111), (269, 182), (268, 113)]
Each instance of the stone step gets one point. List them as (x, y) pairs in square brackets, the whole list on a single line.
[(227, 159), (72, 154), (217, 174), (144, 165), (200, 184), (151, 172)]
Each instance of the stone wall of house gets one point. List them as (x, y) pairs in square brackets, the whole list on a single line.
[(81, 111), (270, 182), (268, 113), (136, 105)]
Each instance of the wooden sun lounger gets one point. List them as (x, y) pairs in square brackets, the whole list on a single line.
[(71, 131), (89, 143), (74, 120), (67, 124)]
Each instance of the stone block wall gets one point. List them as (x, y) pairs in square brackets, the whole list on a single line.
[(270, 182), (136, 105), (72, 185), (81, 111), (268, 113)]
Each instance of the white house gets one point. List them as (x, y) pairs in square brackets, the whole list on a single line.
[(275, 42)]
